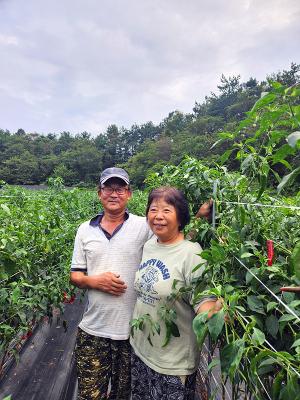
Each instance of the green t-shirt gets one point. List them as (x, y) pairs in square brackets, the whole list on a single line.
[(160, 265)]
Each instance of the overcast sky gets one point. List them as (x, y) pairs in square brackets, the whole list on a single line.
[(80, 65)]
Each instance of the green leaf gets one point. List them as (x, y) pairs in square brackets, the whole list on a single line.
[(258, 337), (263, 180), (200, 328), (218, 253), (271, 305), (272, 325), (266, 99), (6, 209), (277, 385), (249, 277), (228, 288), (213, 364), (255, 304), (246, 255), (282, 153), (267, 361), (286, 164), (226, 135), (167, 337), (149, 340), (288, 179), (296, 343), (291, 391), (295, 260), (174, 329), (224, 157), (247, 161), (157, 327), (215, 324), (286, 318), (230, 357)]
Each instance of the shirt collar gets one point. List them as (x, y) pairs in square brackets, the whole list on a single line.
[(95, 221)]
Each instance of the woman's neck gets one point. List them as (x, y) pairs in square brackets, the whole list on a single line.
[(171, 240)]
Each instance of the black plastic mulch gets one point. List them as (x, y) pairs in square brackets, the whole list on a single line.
[(46, 367)]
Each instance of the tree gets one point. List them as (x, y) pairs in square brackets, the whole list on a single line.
[(111, 155), (176, 122), (20, 132), (68, 176), (289, 77), (20, 169)]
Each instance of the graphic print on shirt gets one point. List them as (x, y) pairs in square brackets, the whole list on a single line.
[(152, 271)]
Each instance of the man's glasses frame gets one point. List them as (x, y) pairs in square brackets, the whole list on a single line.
[(108, 190)]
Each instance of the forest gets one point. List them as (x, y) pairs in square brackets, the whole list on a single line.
[(32, 158)]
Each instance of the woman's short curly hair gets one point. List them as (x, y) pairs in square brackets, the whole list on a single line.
[(176, 198)]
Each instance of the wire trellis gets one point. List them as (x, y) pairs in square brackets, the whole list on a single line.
[(222, 390)]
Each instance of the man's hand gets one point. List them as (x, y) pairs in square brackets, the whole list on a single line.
[(106, 282), (205, 210)]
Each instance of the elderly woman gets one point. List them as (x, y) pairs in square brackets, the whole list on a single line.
[(164, 366)]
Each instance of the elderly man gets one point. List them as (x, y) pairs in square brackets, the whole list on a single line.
[(107, 251)]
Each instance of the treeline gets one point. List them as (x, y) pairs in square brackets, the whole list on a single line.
[(31, 158)]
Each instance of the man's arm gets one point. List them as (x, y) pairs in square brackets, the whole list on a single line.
[(107, 282), (205, 210)]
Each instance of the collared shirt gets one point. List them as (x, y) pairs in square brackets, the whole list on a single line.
[(107, 315), (96, 222)]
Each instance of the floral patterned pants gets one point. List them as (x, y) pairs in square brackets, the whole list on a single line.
[(147, 384)]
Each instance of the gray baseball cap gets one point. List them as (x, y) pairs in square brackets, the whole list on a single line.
[(114, 172)]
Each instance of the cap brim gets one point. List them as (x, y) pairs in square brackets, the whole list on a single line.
[(115, 176)]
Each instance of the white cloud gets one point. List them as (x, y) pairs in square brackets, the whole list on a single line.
[(8, 40), (73, 65)]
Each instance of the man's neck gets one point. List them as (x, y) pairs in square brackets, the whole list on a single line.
[(113, 218)]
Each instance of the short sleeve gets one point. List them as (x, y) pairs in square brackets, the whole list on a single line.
[(193, 260), (149, 233), (78, 258)]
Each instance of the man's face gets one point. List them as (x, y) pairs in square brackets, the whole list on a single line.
[(114, 195)]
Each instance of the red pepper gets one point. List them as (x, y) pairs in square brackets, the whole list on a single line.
[(68, 300), (65, 298), (27, 335), (270, 249), (293, 289)]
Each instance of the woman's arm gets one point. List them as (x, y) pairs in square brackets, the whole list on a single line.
[(211, 306)]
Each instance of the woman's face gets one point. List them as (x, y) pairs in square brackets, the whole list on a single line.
[(163, 221)]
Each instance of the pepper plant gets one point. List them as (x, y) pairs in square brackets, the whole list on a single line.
[(259, 348), (36, 241)]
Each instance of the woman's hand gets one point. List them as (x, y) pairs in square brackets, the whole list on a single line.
[(212, 307)]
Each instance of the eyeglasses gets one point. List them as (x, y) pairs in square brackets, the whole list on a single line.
[(108, 190)]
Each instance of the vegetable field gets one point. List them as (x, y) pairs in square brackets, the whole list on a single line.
[(36, 236), (251, 249)]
